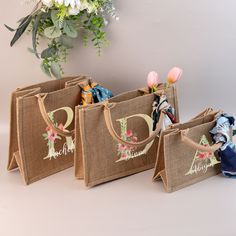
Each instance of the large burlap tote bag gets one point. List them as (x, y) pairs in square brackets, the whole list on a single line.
[(115, 139), (186, 154), (42, 120)]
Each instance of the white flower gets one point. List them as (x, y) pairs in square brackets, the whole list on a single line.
[(89, 6), (71, 3), (59, 1), (48, 3), (76, 5), (73, 11)]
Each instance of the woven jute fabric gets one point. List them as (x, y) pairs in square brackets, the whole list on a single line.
[(99, 157), (179, 165), (35, 155)]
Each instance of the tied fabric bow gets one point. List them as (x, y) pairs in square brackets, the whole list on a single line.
[(94, 93), (221, 133), (161, 103), (100, 93)]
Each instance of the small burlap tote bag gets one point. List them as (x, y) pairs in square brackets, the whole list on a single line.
[(186, 153), (42, 121), (115, 139)]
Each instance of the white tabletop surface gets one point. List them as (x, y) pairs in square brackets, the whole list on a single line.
[(60, 205)]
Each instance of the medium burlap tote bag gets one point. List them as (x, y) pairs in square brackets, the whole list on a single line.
[(115, 139), (42, 121), (186, 153)]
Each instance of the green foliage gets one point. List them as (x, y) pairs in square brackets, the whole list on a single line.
[(34, 33), (55, 19), (52, 32), (56, 70), (9, 28), (69, 29), (62, 13), (45, 68), (48, 52), (21, 29), (60, 29), (67, 42), (94, 26)]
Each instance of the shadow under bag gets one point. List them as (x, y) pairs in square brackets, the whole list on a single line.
[(115, 139), (42, 120)]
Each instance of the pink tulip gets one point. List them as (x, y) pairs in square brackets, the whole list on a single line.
[(153, 79), (174, 75)]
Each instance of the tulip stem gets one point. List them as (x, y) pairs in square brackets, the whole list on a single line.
[(167, 85)]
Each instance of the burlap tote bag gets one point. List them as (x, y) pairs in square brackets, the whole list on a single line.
[(103, 152), (186, 154), (42, 120)]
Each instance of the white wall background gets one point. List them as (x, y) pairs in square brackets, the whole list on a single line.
[(198, 36)]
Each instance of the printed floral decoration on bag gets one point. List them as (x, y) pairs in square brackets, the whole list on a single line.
[(202, 160), (125, 151), (161, 103), (52, 137), (61, 21)]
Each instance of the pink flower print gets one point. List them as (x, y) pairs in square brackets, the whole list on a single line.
[(129, 133), (202, 155), (134, 139), (48, 128), (124, 155), (51, 135), (126, 147), (121, 147), (61, 127)]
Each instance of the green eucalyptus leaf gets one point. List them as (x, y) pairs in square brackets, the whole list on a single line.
[(66, 41), (45, 69), (52, 32), (21, 29), (48, 52), (20, 20), (34, 33), (56, 70), (9, 28), (55, 19), (69, 29)]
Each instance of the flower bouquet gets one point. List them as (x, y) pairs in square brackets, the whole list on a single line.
[(61, 21)]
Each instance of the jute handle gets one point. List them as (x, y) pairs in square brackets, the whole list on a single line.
[(41, 98), (110, 127), (197, 146)]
